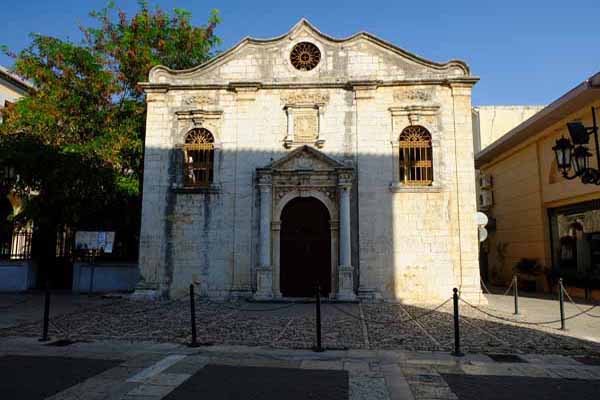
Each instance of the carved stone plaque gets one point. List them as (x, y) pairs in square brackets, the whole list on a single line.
[(201, 100), (304, 97), (305, 127), (412, 95)]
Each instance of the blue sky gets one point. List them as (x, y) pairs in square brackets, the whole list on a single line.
[(526, 52)]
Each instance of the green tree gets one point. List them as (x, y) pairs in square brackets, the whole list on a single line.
[(75, 144)]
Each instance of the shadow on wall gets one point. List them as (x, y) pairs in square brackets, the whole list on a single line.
[(404, 241)]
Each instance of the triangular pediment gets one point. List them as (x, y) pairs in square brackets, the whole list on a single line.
[(305, 158), (361, 56)]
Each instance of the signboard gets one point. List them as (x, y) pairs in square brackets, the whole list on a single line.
[(481, 218), (102, 241)]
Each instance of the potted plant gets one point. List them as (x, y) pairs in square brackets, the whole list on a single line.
[(529, 269)]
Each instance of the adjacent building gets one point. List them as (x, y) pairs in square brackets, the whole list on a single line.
[(305, 160), (16, 273), (536, 213)]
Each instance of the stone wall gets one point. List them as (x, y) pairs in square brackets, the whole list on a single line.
[(408, 243)]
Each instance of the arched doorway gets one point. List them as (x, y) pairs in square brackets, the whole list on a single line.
[(305, 248)]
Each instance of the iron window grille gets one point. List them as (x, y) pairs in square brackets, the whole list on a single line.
[(199, 154), (416, 158)]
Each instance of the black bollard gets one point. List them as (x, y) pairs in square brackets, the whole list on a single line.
[(318, 348), (516, 294), (561, 300), (45, 337), (194, 342), (456, 352)]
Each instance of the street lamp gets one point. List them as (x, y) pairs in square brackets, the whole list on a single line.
[(574, 153)]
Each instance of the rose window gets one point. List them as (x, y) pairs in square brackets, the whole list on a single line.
[(305, 56)]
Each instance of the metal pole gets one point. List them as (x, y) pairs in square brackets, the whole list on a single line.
[(596, 136), (194, 342), (318, 348), (44, 337), (516, 294), (92, 259), (456, 352), (561, 300)]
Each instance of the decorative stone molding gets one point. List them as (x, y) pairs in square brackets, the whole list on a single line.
[(265, 180), (364, 90), (412, 95), (245, 91), (301, 97), (424, 115), (461, 88), (200, 118), (186, 121), (199, 100), (414, 112), (345, 284), (264, 284), (306, 172), (303, 125)]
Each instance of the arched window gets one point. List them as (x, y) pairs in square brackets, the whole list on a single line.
[(199, 154), (416, 161)]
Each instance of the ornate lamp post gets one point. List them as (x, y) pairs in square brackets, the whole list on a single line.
[(574, 153)]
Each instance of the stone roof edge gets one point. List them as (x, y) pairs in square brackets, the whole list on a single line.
[(486, 106), (520, 133), (16, 79), (383, 43), (165, 87)]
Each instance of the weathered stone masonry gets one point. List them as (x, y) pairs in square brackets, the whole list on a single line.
[(330, 132)]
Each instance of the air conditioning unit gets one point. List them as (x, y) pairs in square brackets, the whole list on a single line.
[(486, 199), (485, 181)]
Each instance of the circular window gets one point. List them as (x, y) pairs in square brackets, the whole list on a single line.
[(305, 56)]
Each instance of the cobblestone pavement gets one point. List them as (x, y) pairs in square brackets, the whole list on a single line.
[(292, 326), (155, 371)]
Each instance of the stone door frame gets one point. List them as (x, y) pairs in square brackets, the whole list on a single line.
[(304, 172)]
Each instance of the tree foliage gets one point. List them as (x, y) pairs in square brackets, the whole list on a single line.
[(76, 143)]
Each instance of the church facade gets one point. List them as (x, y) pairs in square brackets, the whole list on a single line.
[(306, 161)]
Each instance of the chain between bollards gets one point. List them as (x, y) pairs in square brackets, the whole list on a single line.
[(516, 294), (45, 337), (561, 300), (194, 342), (456, 352), (318, 347)]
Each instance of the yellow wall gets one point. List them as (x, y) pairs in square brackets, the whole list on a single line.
[(525, 185)]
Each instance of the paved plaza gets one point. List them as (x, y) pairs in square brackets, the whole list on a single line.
[(119, 349), (369, 326), (154, 371)]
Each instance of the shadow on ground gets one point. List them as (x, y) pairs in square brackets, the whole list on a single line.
[(345, 326)]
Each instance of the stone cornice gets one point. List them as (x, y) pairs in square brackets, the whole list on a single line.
[(349, 85), (215, 114)]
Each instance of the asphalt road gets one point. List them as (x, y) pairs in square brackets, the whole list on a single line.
[(221, 382), (35, 378)]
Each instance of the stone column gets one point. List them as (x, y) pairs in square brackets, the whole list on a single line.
[(264, 271), (276, 230), (345, 271)]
